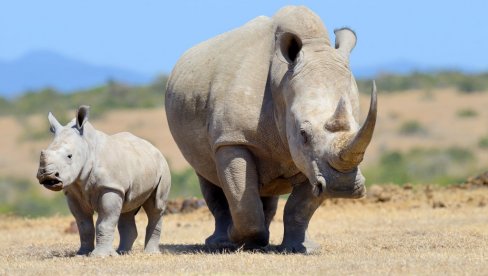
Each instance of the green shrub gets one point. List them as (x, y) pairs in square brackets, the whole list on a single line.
[(460, 155), (412, 128), (467, 113), (184, 184), (483, 142)]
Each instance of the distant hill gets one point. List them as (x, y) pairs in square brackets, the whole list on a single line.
[(40, 69)]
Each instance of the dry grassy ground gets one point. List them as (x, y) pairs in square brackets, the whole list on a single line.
[(415, 231)]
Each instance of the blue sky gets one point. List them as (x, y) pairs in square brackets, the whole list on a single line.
[(149, 36)]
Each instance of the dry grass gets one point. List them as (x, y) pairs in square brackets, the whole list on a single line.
[(404, 235)]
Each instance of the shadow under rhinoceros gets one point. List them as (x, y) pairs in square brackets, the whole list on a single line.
[(177, 249), (201, 248)]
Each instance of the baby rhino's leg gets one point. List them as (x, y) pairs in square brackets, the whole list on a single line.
[(109, 208), (127, 230), (154, 224)]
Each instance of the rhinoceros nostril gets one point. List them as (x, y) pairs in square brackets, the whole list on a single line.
[(56, 174)]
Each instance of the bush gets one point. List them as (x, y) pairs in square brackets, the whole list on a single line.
[(184, 184), (467, 113), (412, 128), (483, 142)]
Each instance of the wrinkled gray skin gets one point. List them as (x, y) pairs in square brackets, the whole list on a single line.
[(268, 109), (111, 175)]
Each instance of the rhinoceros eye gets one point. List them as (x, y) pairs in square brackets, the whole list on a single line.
[(70, 155), (304, 135), (306, 132)]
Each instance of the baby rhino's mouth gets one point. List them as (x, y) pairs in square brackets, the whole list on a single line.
[(51, 182)]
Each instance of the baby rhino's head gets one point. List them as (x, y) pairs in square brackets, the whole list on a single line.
[(62, 162)]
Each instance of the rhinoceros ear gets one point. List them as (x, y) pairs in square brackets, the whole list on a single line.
[(54, 125), (345, 41), (82, 117), (290, 46)]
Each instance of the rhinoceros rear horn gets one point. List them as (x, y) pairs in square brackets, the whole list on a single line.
[(352, 154)]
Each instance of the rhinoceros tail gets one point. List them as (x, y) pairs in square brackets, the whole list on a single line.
[(162, 189)]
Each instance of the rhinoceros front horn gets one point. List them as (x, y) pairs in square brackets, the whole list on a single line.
[(352, 153)]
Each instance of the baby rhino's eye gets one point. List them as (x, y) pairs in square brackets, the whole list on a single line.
[(70, 155)]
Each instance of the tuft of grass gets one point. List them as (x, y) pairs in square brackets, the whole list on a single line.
[(411, 128), (483, 142), (467, 113)]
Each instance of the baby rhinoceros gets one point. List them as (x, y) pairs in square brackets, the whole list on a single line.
[(113, 175)]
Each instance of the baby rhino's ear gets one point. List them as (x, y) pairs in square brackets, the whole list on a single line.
[(54, 125), (82, 117)]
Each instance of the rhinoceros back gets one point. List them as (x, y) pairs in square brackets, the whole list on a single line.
[(215, 92), (137, 168)]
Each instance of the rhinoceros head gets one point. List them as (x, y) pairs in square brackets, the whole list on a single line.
[(317, 106), (61, 163)]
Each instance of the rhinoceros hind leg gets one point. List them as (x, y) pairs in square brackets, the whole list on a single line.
[(217, 203), (154, 225), (299, 209), (127, 230)]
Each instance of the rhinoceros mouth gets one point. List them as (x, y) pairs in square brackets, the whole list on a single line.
[(51, 183)]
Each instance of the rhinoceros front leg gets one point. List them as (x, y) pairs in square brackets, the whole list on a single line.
[(217, 204), (299, 208), (239, 181), (86, 229), (109, 208)]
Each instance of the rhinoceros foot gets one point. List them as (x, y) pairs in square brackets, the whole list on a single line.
[(152, 250), (251, 240), (84, 251), (306, 247), (103, 252), (219, 241)]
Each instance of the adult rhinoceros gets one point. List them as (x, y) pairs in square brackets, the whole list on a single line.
[(268, 109)]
